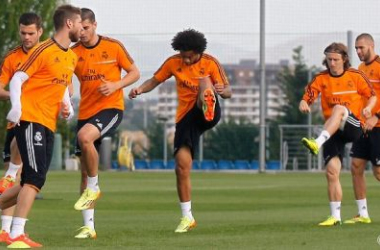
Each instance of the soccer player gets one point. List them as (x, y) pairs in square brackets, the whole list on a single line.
[(342, 90), (199, 78), (100, 63), (367, 148), (30, 31), (47, 73)]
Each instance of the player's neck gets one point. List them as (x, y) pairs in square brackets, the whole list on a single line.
[(25, 49), (62, 39), (371, 58), (92, 42), (337, 72)]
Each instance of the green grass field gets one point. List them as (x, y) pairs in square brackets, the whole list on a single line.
[(233, 210)]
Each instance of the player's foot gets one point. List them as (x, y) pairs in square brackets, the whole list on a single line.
[(4, 236), (22, 241), (87, 199), (358, 219), (185, 225), (86, 232), (208, 106), (6, 182), (311, 145), (331, 221)]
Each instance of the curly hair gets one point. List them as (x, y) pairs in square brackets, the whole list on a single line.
[(189, 39)]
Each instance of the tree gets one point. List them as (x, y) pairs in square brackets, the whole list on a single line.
[(9, 38), (155, 134), (293, 81), (231, 141)]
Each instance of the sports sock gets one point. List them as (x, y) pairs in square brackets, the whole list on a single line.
[(335, 209), (322, 138), (92, 183), (18, 226), (12, 170), (6, 222), (186, 209), (88, 218), (362, 208)]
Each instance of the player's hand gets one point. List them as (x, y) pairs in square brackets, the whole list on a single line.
[(367, 112), (370, 123), (304, 107), (14, 115), (219, 88), (66, 111), (134, 93), (107, 87)]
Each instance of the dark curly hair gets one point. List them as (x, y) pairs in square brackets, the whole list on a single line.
[(189, 39)]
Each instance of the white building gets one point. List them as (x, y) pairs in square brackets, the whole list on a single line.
[(245, 102)]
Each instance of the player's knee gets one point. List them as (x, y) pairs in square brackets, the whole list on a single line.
[(357, 168), (84, 139), (339, 109), (376, 172), (377, 176), (182, 168), (332, 175)]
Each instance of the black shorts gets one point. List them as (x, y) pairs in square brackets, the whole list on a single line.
[(35, 143), (368, 147), (189, 129), (106, 121), (334, 146), (7, 145)]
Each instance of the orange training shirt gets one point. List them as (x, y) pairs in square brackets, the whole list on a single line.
[(187, 78), (12, 61), (372, 71), (346, 89), (50, 69), (105, 60)]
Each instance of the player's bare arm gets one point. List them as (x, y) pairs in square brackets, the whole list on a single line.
[(367, 111), (223, 90), (304, 107), (108, 87), (4, 94), (147, 86)]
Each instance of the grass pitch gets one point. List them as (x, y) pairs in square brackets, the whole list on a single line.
[(234, 211)]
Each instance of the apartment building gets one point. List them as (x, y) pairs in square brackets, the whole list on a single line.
[(244, 78)]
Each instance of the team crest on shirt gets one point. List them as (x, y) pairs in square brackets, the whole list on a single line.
[(104, 55), (202, 71), (179, 70), (38, 139), (350, 84)]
